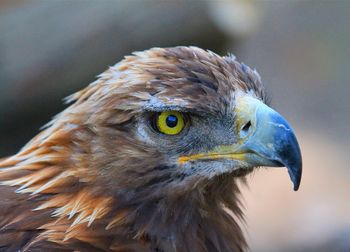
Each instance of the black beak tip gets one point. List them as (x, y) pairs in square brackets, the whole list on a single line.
[(296, 182), (295, 173), (290, 155)]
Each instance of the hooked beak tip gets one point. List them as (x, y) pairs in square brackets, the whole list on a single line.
[(295, 173), (272, 138)]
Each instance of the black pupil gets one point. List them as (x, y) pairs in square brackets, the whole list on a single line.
[(171, 121)]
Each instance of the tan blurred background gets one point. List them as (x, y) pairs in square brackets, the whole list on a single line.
[(49, 49)]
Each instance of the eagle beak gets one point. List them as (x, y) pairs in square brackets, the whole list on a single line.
[(264, 138)]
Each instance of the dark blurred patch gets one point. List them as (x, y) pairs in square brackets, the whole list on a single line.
[(49, 49), (340, 242)]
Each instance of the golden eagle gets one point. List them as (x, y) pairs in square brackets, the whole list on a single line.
[(146, 158)]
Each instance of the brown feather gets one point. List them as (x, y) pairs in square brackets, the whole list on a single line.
[(60, 192)]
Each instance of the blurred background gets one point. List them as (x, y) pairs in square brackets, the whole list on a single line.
[(49, 49)]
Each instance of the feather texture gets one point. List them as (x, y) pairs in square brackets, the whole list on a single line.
[(88, 183)]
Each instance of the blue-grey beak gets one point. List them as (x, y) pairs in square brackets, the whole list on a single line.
[(270, 138)]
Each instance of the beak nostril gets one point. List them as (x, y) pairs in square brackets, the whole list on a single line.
[(245, 129), (247, 126)]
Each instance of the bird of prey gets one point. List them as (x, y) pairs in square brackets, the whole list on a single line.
[(146, 158)]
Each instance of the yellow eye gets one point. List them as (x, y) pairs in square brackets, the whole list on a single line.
[(170, 122)]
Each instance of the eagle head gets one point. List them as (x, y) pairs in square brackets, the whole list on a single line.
[(148, 156)]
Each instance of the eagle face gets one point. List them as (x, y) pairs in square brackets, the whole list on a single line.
[(187, 116), (146, 158)]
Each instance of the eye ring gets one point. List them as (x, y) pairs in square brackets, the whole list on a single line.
[(169, 122)]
